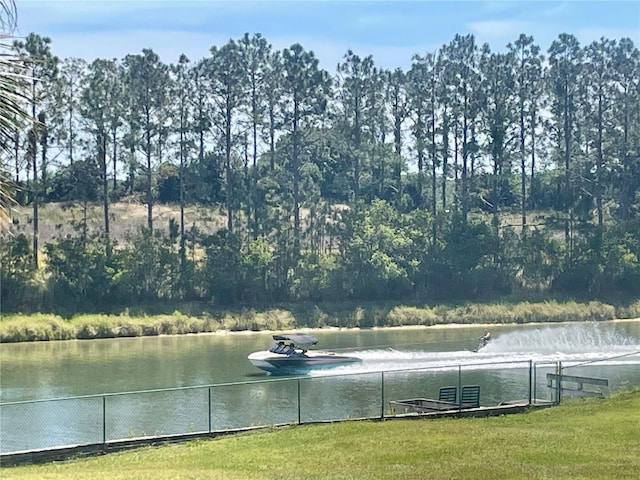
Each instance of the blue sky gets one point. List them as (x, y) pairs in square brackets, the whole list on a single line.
[(391, 31)]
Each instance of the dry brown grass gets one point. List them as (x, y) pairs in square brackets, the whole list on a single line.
[(57, 219)]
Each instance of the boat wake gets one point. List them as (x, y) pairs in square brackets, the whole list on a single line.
[(571, 345)]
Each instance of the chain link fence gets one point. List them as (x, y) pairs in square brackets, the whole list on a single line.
[(153, 414)]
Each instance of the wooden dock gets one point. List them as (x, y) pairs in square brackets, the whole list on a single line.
[(433, 408)]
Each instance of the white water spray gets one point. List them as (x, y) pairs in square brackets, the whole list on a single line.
[(588, 338), (570, 344)]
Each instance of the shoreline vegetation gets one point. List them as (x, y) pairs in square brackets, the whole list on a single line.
[(49, 326)]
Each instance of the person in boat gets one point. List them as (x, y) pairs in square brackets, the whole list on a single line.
[(290, 349), (278, 348)]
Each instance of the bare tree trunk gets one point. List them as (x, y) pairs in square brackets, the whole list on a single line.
[(36, 194), (465, 156), (182, 161), (523, 171), (434, 165), (34, 165), (229, 196), (102, 154), (114, 140), (445, 157), (296, 181), (16, 153), (254, 180), (149, 198), (71, 126), (272, 139), (600, 164)]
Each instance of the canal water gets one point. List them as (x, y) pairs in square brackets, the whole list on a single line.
[(48, 370)]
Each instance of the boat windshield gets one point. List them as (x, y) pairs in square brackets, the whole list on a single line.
[(300, 341)]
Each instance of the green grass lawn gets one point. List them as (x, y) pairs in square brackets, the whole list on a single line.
[(581, 439)]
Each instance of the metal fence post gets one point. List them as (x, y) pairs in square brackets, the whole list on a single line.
[(535, 382), (460, 387), (382, 395), (299, 407), (209, 407), (104, 421), (530, 380), (559, 382)]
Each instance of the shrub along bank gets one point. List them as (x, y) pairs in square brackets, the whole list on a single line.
[(44, 326)]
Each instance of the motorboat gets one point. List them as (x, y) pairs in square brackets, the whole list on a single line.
[(291, 356)]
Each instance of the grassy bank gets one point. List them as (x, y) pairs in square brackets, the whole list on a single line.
[(582, 439), (39, 327)]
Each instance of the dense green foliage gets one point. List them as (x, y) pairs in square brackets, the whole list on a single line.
[(586, 439), (381, 256), (473, 175)]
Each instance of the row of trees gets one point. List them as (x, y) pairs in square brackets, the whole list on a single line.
[(280, 143)]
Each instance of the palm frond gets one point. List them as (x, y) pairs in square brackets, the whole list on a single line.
[(14, 87), (8, 15)]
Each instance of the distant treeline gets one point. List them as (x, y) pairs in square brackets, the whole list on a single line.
[(420, 185)]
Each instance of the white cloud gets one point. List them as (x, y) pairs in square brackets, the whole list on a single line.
[(62, 8), (114, 28), (555, 9), (59, 16), (499, 29), (494, 6), (169, 45), (68, 25), (378, 20), (498, 33), (330, 52)]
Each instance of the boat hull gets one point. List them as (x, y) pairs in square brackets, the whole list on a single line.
[(298, 363)]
